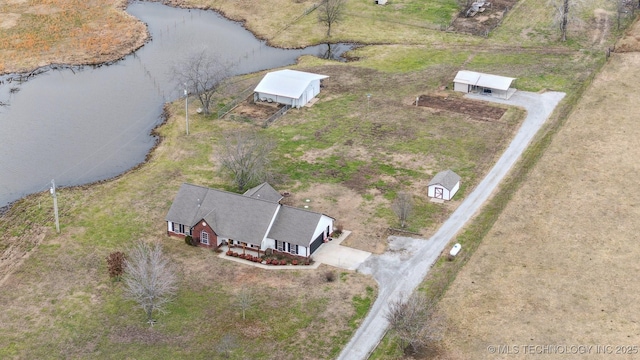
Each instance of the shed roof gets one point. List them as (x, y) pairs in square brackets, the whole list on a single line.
[(287, 83), (485, 80), (448, 179)]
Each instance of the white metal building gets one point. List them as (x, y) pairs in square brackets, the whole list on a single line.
[(288, 87), (486, 84), (444, 185)]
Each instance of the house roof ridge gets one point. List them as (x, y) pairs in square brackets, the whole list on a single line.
[(227, 192), (307, 210)]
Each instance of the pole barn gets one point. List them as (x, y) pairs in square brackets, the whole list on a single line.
[(472, 82)]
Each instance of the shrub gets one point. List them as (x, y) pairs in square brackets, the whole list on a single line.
[(283, 262), (294, 262), (229, 253), (189, 240), (115, 264), (330, 276), (338, 229)]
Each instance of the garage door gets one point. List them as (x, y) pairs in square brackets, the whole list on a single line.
[(316, 243)]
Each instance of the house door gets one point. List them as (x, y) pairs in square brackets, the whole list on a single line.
[(438, 193)]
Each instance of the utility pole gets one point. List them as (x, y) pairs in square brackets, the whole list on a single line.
[(55, 204), (186, 106)]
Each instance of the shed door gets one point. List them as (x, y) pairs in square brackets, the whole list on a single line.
[(316, 243), (438, 192), (309, 94)]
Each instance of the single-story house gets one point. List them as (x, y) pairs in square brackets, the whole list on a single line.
[(444, 185), (486, 84), (288, 87), (255, 220)]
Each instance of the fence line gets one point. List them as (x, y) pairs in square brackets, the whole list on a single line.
[(230, 106), (275, 116)]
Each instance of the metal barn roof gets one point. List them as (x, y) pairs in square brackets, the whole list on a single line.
[(287, 83), (484, 80)]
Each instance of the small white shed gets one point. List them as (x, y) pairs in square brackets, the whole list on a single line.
[(288, 87), (444, 185), (486, 84)]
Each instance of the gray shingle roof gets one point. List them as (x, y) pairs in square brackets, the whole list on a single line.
[(448, 179), (264, 191), (295, 226), (230, 215)]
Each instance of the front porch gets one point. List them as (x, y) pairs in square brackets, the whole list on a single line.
[(270, 259)]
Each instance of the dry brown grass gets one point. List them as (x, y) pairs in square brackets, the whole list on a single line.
[(560, 265), (40, 32)]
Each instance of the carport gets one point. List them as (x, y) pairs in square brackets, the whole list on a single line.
[(485, 84)]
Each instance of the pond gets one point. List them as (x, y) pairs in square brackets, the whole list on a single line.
[(85, 124)]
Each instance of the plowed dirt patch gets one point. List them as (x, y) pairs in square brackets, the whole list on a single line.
[(473, 108)]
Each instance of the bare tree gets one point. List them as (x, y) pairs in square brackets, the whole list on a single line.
[(402, 206), (149, 278), (415, 321), (331, 12), (227, 346), (246, 156), (245, 301), (564, 10), (202, 74)]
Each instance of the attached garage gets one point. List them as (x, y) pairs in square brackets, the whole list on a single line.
[(288, 87), (485, 84), (444, 185), (315, 244)]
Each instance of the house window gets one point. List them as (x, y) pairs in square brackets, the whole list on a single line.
[(279, 245), (181, 228), (204, 238), (293, 249)]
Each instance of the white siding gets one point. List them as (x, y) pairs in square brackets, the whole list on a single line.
[(322, 227), (169, 224), (461, 87), (454, 190), (303, 251), (446, 194), (268, 244)]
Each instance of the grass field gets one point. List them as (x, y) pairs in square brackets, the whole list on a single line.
[(558, 266), (348, 155)]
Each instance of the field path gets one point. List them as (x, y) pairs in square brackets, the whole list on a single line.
[(397, 279)]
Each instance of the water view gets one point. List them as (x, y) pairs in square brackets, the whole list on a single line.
[(80, 125)]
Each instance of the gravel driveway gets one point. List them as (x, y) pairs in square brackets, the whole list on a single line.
[(401, 269)]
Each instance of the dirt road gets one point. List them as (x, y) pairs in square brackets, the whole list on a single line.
[(401, 269)]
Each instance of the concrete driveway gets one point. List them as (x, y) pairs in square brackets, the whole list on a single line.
[(400, 270), (334, 254)]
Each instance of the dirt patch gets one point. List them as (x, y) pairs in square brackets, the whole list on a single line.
[(8, 20), (631, 41), (256, 111), (473, 108), (483, 21)]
